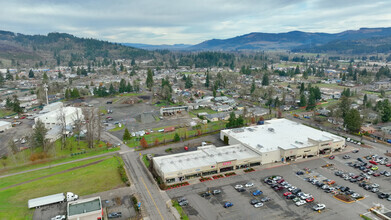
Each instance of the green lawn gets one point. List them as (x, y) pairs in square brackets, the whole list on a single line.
[(22, 159), (130, 94), (117, 128), (183, 132), (13, 201), (4, 112), (145, 160), (180, 210), (207, 110)]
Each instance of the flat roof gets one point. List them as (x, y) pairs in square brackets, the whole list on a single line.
[(208, 155), (4, 123), (279, 133), (84, 206)]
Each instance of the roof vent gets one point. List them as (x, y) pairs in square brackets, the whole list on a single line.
[(240, 150), (219, 154), (172, 162), (233, 151), (179, 161), (259, 146), (271, 129), (227, 152)]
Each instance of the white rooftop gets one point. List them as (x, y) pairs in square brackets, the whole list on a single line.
[(281, 133), (208, 155), (4, 123)]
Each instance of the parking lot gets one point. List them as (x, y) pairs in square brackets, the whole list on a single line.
[(279, 207), (19, 131)]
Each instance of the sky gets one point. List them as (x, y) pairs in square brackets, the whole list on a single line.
[(188, 22)]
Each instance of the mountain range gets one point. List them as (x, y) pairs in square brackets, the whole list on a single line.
[(351, 41)]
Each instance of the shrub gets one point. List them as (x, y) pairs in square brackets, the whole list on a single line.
[(134, 200), (168, 150), (176, 137), (123, 175)]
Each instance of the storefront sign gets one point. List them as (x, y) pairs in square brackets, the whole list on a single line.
[(227, 163)]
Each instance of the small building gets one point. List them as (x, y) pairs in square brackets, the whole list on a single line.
[(5, 125), (173, 110), (85, 209)]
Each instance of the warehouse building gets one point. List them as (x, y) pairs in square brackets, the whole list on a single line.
[(206, 160), (277, 140), (284, 140), (53, 118), (5, 125), (85, 209)]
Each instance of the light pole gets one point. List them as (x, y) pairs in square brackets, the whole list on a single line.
[(45, 87)]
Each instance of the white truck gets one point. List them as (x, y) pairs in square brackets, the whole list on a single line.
[(51, 199)]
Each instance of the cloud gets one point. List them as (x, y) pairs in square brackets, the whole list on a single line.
[(184, 21)]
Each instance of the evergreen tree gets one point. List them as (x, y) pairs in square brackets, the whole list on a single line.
[(2, 80), (302, 88), (31, 74), (303, 100), (252, 87), (207, 80), (297, 70), (265, 79), (129, 87), (365, 100), (122, 86), (311, 102), (188, 83), (126, 135), (67, 94), (385, 111), (352, 120), (149, 81), (176, 137), (111, 89), (16, 105), (75, 93)]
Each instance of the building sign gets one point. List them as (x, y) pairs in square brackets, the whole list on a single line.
[(227, 163)]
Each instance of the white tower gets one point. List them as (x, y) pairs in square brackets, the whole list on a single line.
[(46, 92)]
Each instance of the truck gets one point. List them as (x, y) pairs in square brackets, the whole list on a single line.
[(51, 199)]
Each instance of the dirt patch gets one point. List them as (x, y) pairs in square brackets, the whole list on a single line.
[(365, 146), (43, 177)]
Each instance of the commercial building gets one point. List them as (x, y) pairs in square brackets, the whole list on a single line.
[(173, 110), (85, 209), (274, 141), (206, 160), (5, 125), (283, 140), (53, 118)]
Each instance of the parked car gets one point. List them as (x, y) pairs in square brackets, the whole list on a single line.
[(257, 193), (318, 207), (216, 191), (265, 199), (300, 172), (241, 189), (355, 151), (346, 156), (300, 202), (373, 162), (205, 194), (249, 184), (254, 201), (258, 205), (228, 204), (287, 193), (114, 215), (59, 217), (332, 157), (238, 186)]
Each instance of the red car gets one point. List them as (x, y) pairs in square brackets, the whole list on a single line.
[(311, 199), (287, 193), (369, 166), (388, 165), (372, 162), (332, 157), (23, 117), (376, 174), (280, 181)]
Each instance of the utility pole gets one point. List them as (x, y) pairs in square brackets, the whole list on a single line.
[(45, 86)]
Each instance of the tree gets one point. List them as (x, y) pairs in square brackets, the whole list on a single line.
[(385, 111), (252, 87), (149, 81), (111, 89), (265, 79), (297, 70), (129, 87), (352, 120), (311, 102), (207, 80), (302, 88), (38, 137), (16, 105), (303, 100), (126, 135), (2, 80), (365, 100), (143, 143), (133, 63), (122, 86), (75, 93), (31, 74), (176, 137), (45, 78), (188, 82), (344, 106), (67, 94), (214, 93)]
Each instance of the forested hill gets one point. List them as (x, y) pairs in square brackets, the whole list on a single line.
[(361, 46), (62, 49), (297, 41)]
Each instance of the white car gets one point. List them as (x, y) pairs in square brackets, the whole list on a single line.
[(259, 204), (355, 195), (59, 217), (292, 188), (375, 185), (249, 184), (318, 207), (238, 186), (301, 202)]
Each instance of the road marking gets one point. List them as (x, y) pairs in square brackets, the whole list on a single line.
[(142, 179)]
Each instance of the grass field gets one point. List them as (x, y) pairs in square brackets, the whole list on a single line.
[(130, 94), (182, 132), (4, 112), (22, 159), (117, 128), (13, 201)]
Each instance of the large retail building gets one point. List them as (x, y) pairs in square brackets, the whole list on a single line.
[(277, 140)]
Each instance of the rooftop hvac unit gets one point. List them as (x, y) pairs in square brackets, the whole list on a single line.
[(219, 154), (240, 150), (259, 146), (233, 151), (179, 161), (271, 129), (172, 162)]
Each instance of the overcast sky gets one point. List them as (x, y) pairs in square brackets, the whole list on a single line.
[(185, 21)]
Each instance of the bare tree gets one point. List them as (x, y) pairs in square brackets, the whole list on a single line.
[(90, 118), (11, 150), (78, 123), (61, 118)]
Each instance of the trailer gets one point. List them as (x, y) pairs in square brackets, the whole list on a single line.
[(51, 199)]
